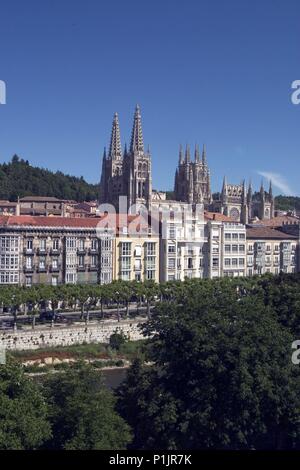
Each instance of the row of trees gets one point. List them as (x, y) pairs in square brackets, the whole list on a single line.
[(281, 292), (81, 297)]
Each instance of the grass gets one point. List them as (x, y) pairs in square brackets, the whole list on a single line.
[(129, 350)]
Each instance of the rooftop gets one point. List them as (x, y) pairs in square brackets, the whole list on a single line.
[(268, 233)]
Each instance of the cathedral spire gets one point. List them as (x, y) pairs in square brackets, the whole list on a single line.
[(187, 154), (197, 153), (249, 194), (115, 150), (204, 155), (244, 195), (224, 185), (262, 190), (137, 143), (180, 159), (125, 151), (270, 189)]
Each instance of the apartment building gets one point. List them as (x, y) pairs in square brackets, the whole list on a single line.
[(226, 246), (182, 246), (136, 252), (271, 250), (54, 250)]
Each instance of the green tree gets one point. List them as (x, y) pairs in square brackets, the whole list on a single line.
[(222, 375), (82, 412), (23, 411)]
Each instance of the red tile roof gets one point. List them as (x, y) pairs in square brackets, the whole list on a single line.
[(67, 222), (262, 232), (218, 217), (40, 199), (278, 221)]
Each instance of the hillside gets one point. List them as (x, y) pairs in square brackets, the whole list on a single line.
[(19, 178)]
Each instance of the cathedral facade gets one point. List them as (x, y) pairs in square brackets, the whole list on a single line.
[(126, 173), (242, 205)]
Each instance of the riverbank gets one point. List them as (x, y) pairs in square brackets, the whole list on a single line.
[(99, 355)]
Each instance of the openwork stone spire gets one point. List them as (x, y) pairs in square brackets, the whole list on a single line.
[(137, 143), (204, 160), (115, 149), (197, 153)]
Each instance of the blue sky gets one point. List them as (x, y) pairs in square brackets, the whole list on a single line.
[(207, 71)]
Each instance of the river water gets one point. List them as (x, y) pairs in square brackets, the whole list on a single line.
[(113, 377)]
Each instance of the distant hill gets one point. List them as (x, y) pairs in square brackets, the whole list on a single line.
[(287, 203), (19, 178)]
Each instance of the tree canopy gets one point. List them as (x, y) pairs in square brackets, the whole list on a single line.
[(23, 411), (35, 181), (222, 375), (82, 413)]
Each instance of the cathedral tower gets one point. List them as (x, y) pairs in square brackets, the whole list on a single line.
[(192, 178), (128, 174)]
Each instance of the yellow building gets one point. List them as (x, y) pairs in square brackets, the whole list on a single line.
[(136, 251)]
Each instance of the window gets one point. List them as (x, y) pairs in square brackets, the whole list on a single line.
[(125, 275), (171, 263), (235, 236), (227, 236), (227, 248), (172, 231), (138, 250), (190, 263), (81, 244), (29, 244), (241, 262), (81, 260), (242, 248), (150, 274), (93, 261), (126, 248), (242, 236), (94, 244), (215, 262), (234, 248), (250, 247), (171, 248), (28, 262), (150, 249), (28, 281), (137, 264), (55, 263), (54, 280), (55, 244), (42, 264), (42, 244), (227, 261), (234, 261)]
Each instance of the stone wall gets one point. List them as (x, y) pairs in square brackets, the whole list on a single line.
[(66, 336)]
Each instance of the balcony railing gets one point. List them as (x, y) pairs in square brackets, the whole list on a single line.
[(29, 251)]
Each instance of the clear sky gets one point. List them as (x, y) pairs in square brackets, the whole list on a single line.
[(207, 71)]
